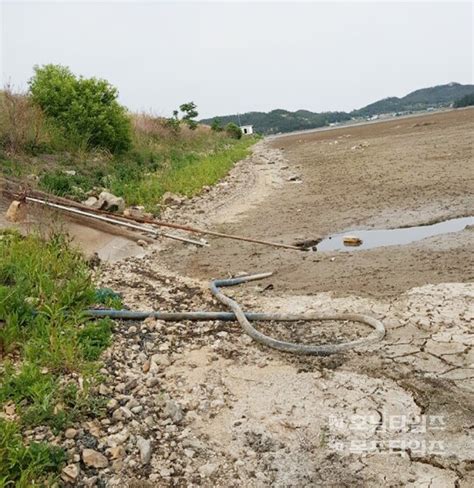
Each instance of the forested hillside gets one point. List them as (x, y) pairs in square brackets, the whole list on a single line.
[(280, 120)]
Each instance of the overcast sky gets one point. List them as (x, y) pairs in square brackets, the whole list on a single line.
[(242, 56)]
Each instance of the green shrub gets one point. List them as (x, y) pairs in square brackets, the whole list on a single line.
[(62, 184), (45, 286), (216, 126), (86, 108), (233, 130), (94, 338), (23, 466)]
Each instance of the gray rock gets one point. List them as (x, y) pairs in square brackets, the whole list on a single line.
[(118, 439), (173, 411), (144, 446), (207, 470), (90, 202), (110, 202)]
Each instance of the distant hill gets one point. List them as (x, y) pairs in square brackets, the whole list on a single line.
[(280, 120), (435, 96)]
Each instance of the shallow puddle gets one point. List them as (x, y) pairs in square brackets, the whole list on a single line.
[(392, 237)]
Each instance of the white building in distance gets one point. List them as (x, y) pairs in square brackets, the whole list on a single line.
[(246, 129)]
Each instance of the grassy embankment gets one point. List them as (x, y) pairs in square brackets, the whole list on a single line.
[(49, 352), (161, 159)]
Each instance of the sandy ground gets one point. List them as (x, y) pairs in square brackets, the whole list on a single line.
[(400, 173)]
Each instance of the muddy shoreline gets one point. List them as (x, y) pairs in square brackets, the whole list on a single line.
[(401, 173)]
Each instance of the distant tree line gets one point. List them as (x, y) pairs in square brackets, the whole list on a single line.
[(280, 120), (465, 101)]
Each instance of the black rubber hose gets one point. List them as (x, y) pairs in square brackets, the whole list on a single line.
[(317, 350), (244, 319)]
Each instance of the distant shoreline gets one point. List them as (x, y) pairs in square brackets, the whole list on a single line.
[(363, 122)]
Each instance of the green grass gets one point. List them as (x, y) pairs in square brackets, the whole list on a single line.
[(186, 172), (44, 335), (180, 163), (24, 466)]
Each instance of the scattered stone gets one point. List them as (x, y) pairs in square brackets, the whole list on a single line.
[(70, 473), (144, 446), (112, 404), (118, 439), (134, 212), (94, 459), (122, 413), (103, 390), (16, 212), (171, 199), (207, 470), (90, 202), (70, 433), (116, 452), (173, 411), (110, 202)]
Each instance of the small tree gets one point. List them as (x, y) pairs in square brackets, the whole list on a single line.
[(173, 122), (85, 108), (190, 113), (233, 130), (216, 125)]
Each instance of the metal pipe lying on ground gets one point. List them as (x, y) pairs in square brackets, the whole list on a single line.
[(244, 319), (112, 221), (171, 225)]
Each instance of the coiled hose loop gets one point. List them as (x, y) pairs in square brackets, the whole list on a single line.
[(244, 319)]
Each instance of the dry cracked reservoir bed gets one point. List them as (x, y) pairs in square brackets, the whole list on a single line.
[(201, 404)]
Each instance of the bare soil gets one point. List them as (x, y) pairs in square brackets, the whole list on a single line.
[(400, 173)]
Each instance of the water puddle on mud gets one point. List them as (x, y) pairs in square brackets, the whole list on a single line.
[(391, 237)]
